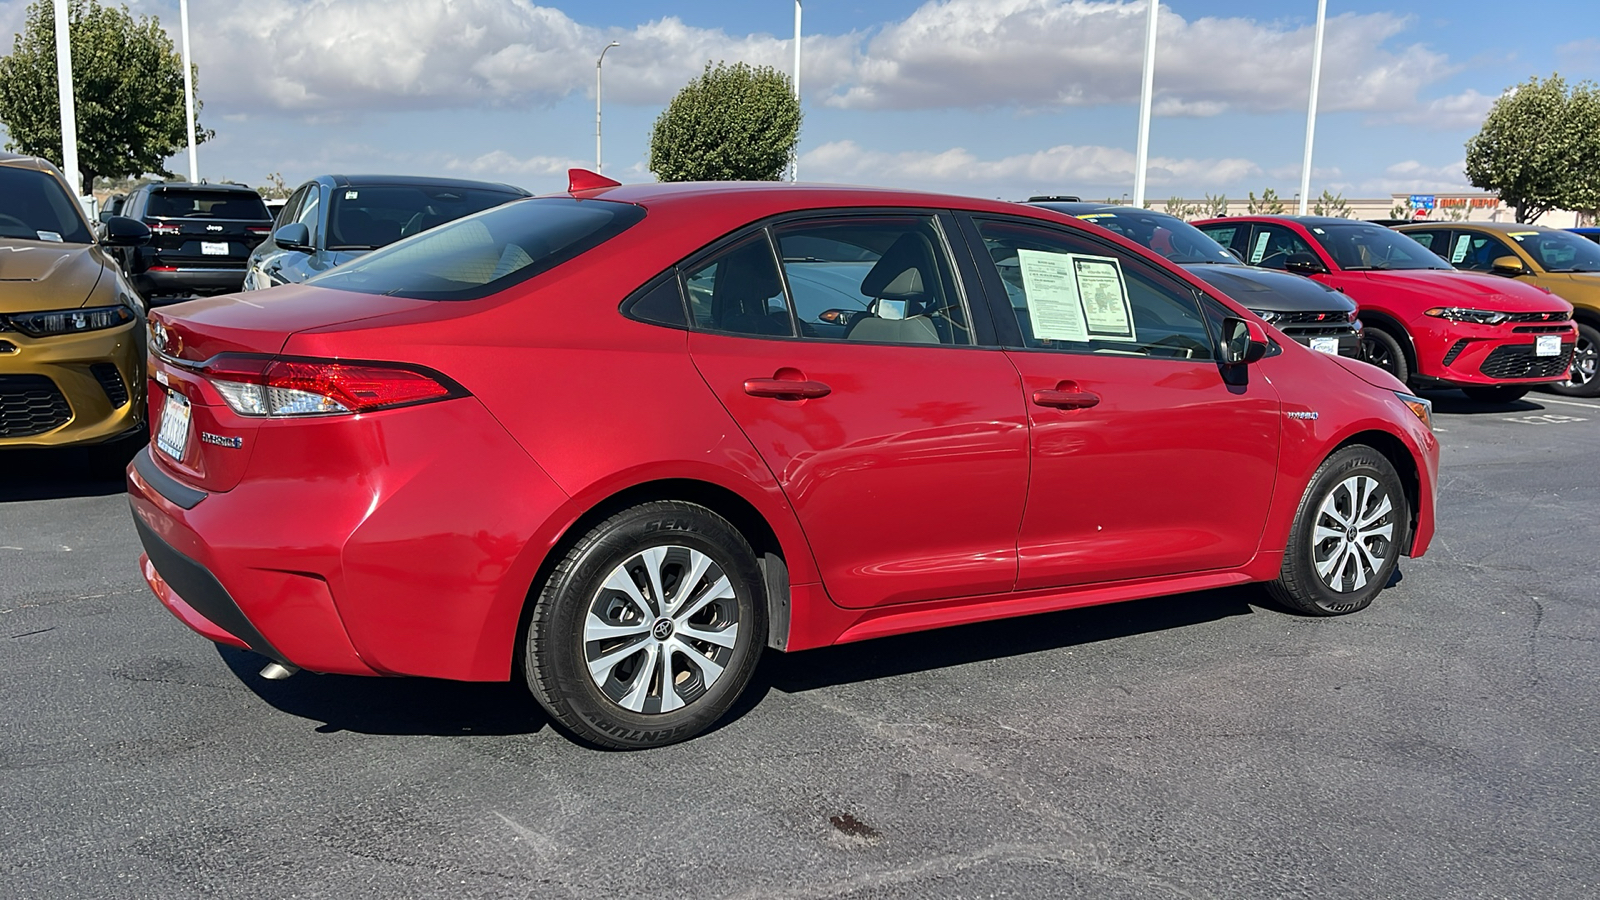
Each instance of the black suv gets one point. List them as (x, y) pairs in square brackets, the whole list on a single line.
[(200, 237)]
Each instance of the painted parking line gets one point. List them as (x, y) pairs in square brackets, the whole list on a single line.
[(1546, 419), (1568, 403)]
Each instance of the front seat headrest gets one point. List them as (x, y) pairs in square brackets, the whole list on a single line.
[(903, 272)]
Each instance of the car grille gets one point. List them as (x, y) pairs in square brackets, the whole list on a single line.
[(1455, 350), (30, 404), (1519, 362), (111, 382), (1558, 316), (1312, 318), (1540, 329)]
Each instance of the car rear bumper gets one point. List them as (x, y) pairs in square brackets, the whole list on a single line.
[(182, 280), (71, 389), (357, 545)]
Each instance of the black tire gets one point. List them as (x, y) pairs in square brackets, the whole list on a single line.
[(578, 618), (1300, 585), (1585, 378), (1501, 394), (1383, 350)]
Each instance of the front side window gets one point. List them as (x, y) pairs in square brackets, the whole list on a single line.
[(1560, 251), (35, 207), (310, 211), (484, 253), (1072, 294), (1362, 246), (1273, 245), (877, 279)]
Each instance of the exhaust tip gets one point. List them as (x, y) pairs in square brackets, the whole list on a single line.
[(278, 671)]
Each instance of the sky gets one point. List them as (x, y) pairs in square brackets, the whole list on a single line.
[(992, 98)]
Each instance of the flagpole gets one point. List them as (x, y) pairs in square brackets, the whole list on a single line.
[(188, 89), (69, 110), (1142, 157), (1311, 109)]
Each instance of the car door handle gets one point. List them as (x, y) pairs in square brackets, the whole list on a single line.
[(1060, 399), (785, 389)]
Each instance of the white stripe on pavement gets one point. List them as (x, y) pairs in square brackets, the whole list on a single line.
[(1568, 403)]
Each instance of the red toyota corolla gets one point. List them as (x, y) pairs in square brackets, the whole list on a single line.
[(1423, 321), (618, 441)]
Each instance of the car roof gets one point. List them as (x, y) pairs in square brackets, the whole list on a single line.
[(1303, 220), (196, 186), (1501, 227), (18, 161), (1083, 206), (765, 198), (420, 181)]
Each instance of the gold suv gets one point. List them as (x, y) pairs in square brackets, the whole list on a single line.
[(72, 330), (1559, 261)]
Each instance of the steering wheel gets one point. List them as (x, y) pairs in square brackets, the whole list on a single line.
[(5, 218)]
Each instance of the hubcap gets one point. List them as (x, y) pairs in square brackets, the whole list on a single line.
[(1353, 534), (1585, 358), (661, 629)]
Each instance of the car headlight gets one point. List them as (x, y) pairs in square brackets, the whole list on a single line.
[(1422, 408), (1463, 314), (1271, 317), (68, 321)]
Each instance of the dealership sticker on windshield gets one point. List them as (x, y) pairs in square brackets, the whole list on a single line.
[(1260, 249), (351, 195), (51, 236), (1460, 251), (1052, 296), (1105, 297), (1519, 235)]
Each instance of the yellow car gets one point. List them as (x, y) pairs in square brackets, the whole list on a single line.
[(1562, 262), (72, 329)]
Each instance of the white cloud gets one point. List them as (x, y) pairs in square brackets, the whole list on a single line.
[(1084, 170), (499, 163), (1413, 176), (1463, 111)]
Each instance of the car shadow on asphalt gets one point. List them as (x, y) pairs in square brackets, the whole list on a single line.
[(61, 473), (431, 707), (396, 706), (1457, 403)]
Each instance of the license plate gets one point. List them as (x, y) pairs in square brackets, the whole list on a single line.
[(1547, 345), (214, 248), (1325, 345), (174, 433)]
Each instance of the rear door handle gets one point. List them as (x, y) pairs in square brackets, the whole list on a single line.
[(1059, 399), (784, 389)]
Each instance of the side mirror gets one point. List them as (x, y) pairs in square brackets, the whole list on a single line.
[(293, 236), (1243, 341), (106, 215), (122, 231), (1508, 265), (1305, 264)]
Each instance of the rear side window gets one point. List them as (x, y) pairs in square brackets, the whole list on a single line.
[(365, 217), (197, 204), (487, 252), (739, 291)]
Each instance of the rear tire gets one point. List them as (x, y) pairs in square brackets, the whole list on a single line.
[(1504, 394), (1347, 535), (1585, 379), (649, 628), (1382, 349)]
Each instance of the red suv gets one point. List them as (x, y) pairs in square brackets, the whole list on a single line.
[(1423, 322), (618, 441)]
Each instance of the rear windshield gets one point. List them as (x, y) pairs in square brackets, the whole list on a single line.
[(1362, 246), (34, 206), (372, 216), (198, 204), (487, 252)]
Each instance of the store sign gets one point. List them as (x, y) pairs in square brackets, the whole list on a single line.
[(1422, 201)]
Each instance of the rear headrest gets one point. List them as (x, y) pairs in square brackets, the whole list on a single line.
[(903, 272)]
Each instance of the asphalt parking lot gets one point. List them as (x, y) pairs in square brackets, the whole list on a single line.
[(1441, 744)]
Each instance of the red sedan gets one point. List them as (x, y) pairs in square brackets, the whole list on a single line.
[(1423, 321), (618, 441)]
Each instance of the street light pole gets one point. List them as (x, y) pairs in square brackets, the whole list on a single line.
[(69, 111), (188, 89), (1142, 156), (794, 171), (1311, 109), (597, 64)]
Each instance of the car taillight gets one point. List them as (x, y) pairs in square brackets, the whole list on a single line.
[(163, 228), (276, 387), (258, 229)]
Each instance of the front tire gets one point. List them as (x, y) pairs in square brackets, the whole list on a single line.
[(1382, 349), (1347, 535), (1503, 394), (649, 628), (1585, 379)]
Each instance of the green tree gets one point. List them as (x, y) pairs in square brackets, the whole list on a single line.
[(1539, 148), (128, 91), (1183, 209), (733, 123), (1270, 204), (1331, 204), (1214, 206)]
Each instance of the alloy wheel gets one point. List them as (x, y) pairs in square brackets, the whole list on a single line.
[(1585, 358), (1378, 353), (1353, 533), (661, 629)]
